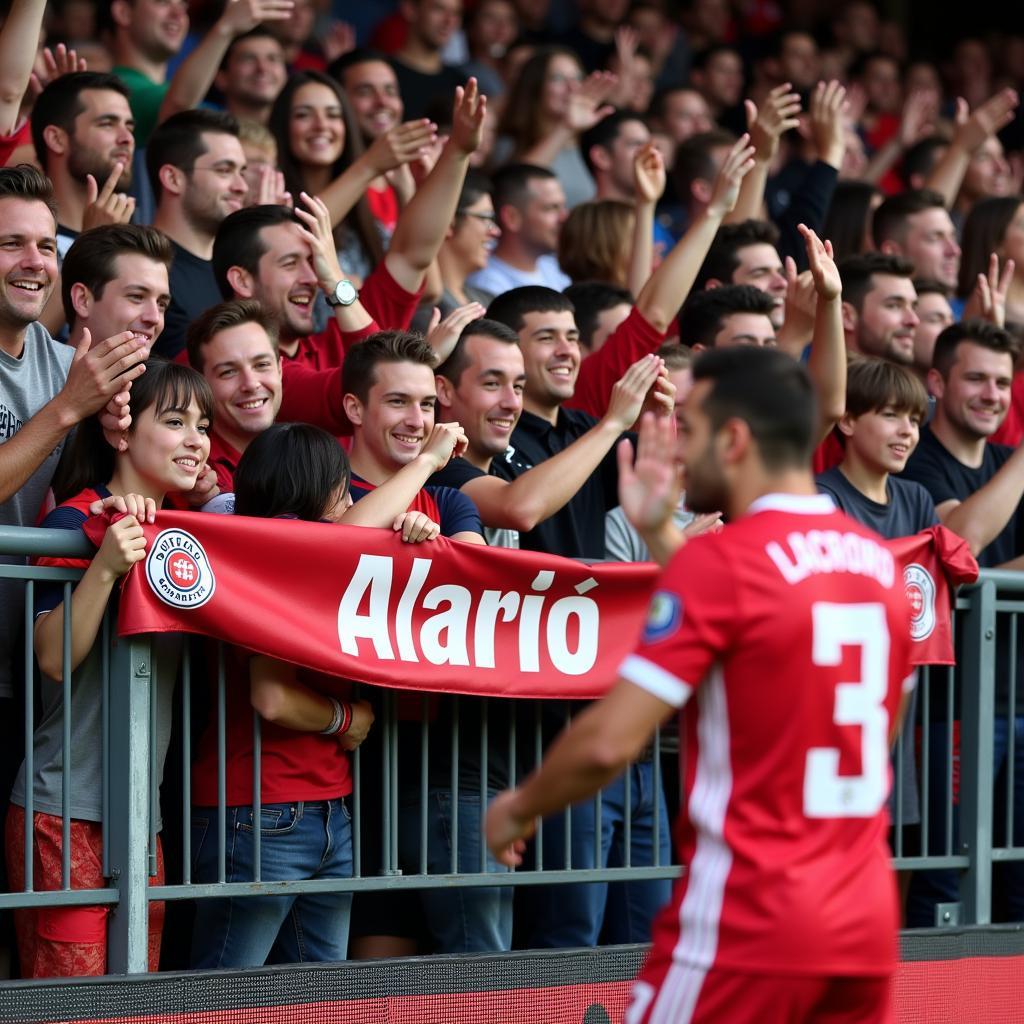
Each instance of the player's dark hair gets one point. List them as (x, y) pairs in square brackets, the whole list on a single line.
[(723, 258), (873, 384), (977, 332), (705, 313), (92, 258), (238, 242), (223, 317), (358, 372), (771, 392), (930, 286), (676, 356), (290, 469), (166, 386), (476, 186), (592, 298), (360, 55), (454, 366), (60, 103), (178, 141), (27, 182), (858, 272), (890, 220), (922, 156), (511, 307)]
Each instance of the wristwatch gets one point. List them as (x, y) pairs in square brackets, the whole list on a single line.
[(344, 294)]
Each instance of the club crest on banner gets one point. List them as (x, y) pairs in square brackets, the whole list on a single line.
[(920, 589), (178, 570)]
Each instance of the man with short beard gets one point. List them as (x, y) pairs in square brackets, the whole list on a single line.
[(82, 128), (879, 306), (195, 164)]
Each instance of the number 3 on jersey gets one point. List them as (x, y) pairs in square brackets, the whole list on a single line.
[(861, 702)]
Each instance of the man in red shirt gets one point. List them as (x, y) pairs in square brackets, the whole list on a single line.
[(790, 628)]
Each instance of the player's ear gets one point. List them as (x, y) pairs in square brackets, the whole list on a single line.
[(845, 424), (936, 385), (353, 409)]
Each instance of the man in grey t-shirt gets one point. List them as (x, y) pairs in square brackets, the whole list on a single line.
[(45, 387)]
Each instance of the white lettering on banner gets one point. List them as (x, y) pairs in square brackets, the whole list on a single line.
[(443, 637), (828, 551)]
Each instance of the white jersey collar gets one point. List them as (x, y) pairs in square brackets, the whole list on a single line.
[(801, 504)]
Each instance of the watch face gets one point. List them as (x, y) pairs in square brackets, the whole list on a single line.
[(345, 293)]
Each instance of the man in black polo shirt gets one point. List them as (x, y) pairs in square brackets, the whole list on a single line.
[(573, 916), (977, 489)]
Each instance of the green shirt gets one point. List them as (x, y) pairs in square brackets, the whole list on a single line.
[(146, 99)]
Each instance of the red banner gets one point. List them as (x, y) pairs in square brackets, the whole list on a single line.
[(359, 603), (455, 618)]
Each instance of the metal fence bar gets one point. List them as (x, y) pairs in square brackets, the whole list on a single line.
[(105, 740), (976, 748), (186, 762), (29, 731), (222, 814), (257, 799), (128, 929), (65, 772)]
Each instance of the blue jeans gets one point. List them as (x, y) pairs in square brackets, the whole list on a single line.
[(928, 888), (300, 840), (573, 916), (476, 919)]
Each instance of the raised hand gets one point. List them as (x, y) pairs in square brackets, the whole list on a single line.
[(708, 522), (630, 391), (319, 234), (822, 264), (736, 167), (649, 173), (779, 112), (401, 144), (443, 334), (650, 485), (98, 373), (988, 300), (445, 442), (57, 62), (468, 115), (801, 302), (920, 110), (242, 16), (586, 104), (338, 40), (270, 190), (105, 206), (971, 130), (829, 112)]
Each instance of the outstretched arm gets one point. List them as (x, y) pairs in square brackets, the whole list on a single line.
[(192, 81), (778, 114), (970, 133), (422, 225), (19, 40), (826, 364)]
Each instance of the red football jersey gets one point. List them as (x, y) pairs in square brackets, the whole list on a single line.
[(791, 630)]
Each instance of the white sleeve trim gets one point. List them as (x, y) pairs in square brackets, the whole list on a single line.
[(910, 683), (655, 680)]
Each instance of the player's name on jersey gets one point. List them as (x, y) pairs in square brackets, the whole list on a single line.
[(830, 551)]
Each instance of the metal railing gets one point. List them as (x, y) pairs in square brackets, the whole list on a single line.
[(388, 774)]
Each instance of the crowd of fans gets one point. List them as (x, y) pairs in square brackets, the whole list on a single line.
[(423, 272)]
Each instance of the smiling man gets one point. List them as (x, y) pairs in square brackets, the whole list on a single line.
[(879, 306), (195, 164), (917, 226)]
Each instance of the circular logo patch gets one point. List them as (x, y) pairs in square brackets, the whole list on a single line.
[(663, 617), (178, 570), (920, 589)]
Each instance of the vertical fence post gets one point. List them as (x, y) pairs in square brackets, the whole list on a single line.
[(977, 726), (128, 930)]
